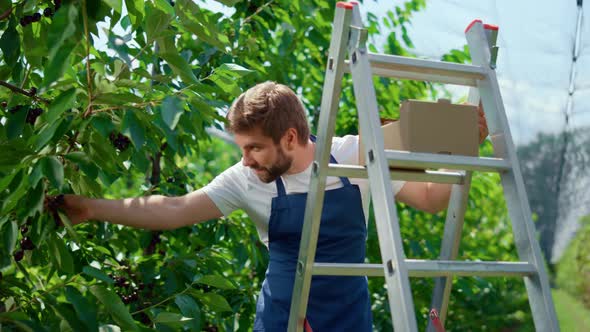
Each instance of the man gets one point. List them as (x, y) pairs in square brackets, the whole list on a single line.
[(270, 183)]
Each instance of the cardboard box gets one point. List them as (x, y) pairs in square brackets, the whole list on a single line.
[(432, 127)]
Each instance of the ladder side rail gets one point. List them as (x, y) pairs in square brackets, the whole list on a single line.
[(390, 242), (452, 236), (539, 292), (315, 199)]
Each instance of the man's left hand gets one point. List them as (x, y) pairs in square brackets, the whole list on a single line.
[(483, 124)]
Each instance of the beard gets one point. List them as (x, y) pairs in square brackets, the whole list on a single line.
[(269, 174)]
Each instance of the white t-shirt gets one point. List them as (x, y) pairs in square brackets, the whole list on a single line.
[(239, 187)]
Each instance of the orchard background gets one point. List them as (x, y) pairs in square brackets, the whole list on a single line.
[(126, 115)]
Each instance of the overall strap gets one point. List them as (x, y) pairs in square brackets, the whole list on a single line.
[(281, 187)]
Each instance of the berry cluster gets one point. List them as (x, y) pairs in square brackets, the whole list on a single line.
[(36, 17), (33, 115), (119, 141), (52, 205), (128, 288), (25, 244)]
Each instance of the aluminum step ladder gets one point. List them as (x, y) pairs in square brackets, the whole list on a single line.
[(349, 38)]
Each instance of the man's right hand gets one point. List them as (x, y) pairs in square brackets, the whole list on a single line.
[(75, 208)]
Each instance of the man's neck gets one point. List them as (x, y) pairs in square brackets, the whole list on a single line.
[(302, 158)]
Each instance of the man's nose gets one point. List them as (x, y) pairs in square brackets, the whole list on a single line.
[(247, 160)]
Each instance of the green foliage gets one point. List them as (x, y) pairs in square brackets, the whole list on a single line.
[(573, 269)]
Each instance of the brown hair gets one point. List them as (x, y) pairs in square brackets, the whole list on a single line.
[(272, 107)]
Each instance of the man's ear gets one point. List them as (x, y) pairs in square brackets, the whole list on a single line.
[(290, 138)]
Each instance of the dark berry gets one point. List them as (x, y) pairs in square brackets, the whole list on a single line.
[(125, 299), (4, 104), (140, 286), (33, 90), (33, 115), (55, 202), (18, 256), (48, 12), (57, 2), (28, 19), (26, 243), (120, 281), (23, 22), (24, 230), (170, 179), (36, 17), (171, 3), (144, 318), (1, 276), (133, 297)]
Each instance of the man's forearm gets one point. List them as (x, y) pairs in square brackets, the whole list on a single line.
[(438, 196), (150, 212)]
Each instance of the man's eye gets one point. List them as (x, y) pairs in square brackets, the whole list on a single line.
[(256, 149)]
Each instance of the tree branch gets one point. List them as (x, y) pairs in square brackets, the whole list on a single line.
[(16, 89)]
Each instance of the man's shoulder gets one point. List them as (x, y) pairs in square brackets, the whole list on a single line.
[(345, 149)]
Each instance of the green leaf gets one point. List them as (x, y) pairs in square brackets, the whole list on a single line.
[(169, 52), (60, 104), (117, 98), (136, 9), (68, 225), (54, 171), (60, 254), (78, 157), (234, 70), (115, 4), (16, 123), (133, 127), (86, 310), (189, 308), (97, 274), (11, 154), (165, 6), (216, 281), (171, 319), (10, 234), (5, 181), (214, 301), (10, 43), (156, 23), (229, 3), (45, 135), (57, 64), (33, 201), (171, 111), (13, 199), (200, 23), (63, 26), (187, 305), (115, 307)]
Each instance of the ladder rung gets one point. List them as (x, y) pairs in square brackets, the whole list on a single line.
[(424, 70), (355, 171), (431, 268), (405, 159)]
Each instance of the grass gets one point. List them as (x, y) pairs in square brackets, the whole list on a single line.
[(571, 313)]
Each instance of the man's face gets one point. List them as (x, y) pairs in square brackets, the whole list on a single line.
[(262, 155)]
